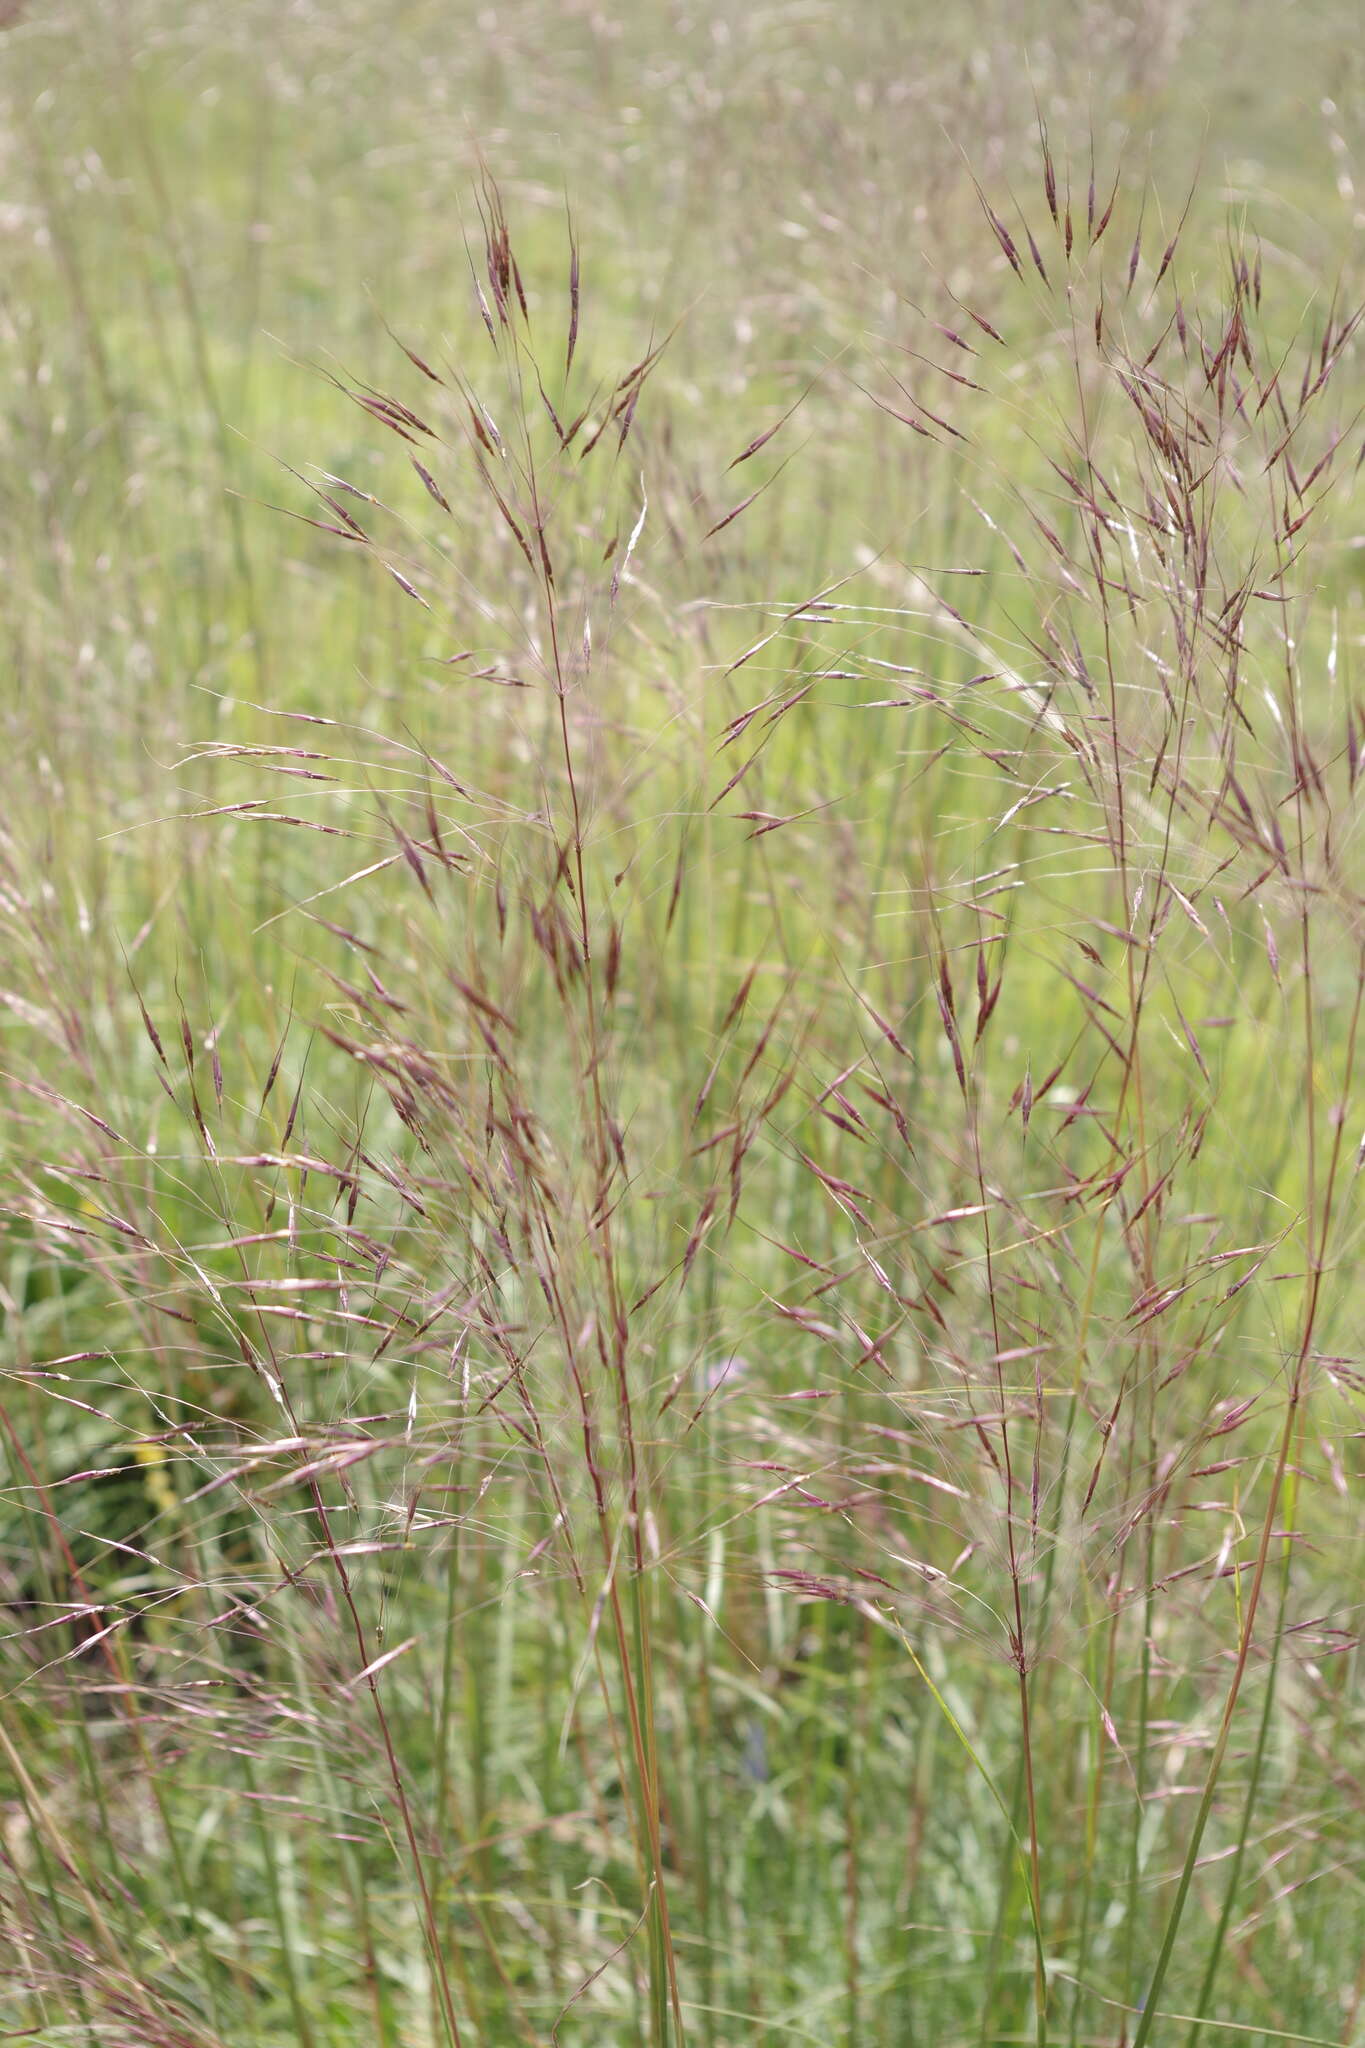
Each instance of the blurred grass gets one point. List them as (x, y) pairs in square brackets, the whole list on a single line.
[(201, 215)]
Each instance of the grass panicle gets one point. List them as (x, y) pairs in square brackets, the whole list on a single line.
[(680, 1182)]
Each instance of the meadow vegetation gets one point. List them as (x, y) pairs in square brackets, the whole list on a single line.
[(683, 957)]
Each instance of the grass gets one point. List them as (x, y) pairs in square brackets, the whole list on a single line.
[(682, 990)]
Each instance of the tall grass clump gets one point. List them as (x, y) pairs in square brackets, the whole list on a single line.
[(702, 1390)]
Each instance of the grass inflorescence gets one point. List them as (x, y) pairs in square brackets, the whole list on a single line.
[(680, 1306)]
